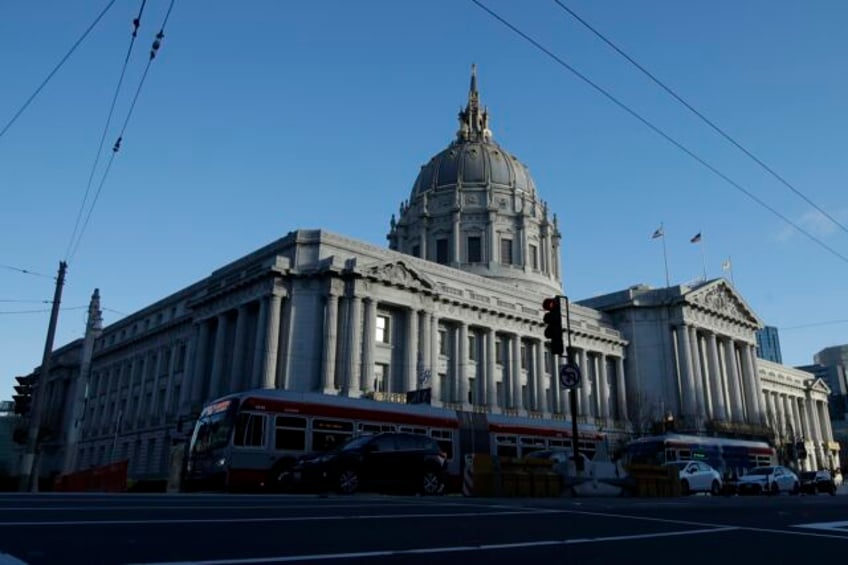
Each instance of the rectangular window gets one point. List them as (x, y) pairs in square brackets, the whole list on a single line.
[(416, 251), (443, 342), (506, 251), (383, 329), (534, 257), (499, 351), (329, 434), (250, 430), (475, 250), (381, 376), (523, 356), (442, 251), (472, 346), (471, 389), (175, 400), (290, 433), (181, 355)]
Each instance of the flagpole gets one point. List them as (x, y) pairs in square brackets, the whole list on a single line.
[(665, 256), (730, 262), (703, 255)]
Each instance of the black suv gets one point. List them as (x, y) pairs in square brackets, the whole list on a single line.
[(381, 461), (813, 482)]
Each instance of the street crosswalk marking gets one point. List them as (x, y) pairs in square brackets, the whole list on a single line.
[(839, 526)]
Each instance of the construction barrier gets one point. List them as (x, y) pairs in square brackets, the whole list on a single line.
[(655, 481), (108, 478), (488, 476)]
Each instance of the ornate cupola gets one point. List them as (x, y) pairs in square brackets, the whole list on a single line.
[(474, 207)]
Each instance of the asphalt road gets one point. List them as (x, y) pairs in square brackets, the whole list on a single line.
[(219, 529)]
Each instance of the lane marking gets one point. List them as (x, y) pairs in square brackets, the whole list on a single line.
[(236, 519), (212, 507), (829, 526), (447, 549)]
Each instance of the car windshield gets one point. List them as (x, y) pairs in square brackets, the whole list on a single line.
[(808, 475), (678, 464), (356, 443), (761, 471), (212, 430)]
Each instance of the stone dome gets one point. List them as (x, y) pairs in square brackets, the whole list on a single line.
[(474, 207), (471, 164)]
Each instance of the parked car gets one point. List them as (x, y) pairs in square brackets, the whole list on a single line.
[(380, 462), (813, 482), (696, 476), (769, 480)]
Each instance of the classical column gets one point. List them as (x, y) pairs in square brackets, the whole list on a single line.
[(733, 380), (411, 373), (515, 373), (684, 354), (142, 387), (170, 384), (435, 377), (184, 398), (219, 356), (538, 348), (757, 381), (774, 421), (603, 387), (272, 330), (491, 390), (805, 418), (824, 415), (200, 363), (621, 389), (717, 393), (353, 382), (583, 360), (752, 394), (328, 369), (154, 408), (701, 406), (259, 344), (492, 239), (369, 342), (237, 376), (426, 339), (462, 362), (704, 383)]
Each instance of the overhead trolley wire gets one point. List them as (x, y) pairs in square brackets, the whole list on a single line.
[(136, 23), (154, 50), (702, 117), (658, 131), (56, 68), (26, 271)]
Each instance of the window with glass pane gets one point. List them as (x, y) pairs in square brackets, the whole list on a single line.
[(416, 251), (382, 330), (506, 251), (443, 342), (475, 249), (442, 251), (290, 433), (534, 258)]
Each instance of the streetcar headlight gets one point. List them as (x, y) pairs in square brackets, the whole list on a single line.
[(221, 462)]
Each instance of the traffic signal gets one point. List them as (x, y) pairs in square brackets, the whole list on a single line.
[(23, 395), (553, 324)]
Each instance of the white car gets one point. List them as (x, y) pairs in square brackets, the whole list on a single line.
[(696, 476), (769, 480)]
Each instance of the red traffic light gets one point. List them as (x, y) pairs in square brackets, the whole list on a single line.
[(550, 304)]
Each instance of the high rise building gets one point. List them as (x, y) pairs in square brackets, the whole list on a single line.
[(768, 344)]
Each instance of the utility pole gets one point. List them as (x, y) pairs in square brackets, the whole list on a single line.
[(30, 449)]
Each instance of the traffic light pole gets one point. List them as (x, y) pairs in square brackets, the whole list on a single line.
[(575, 438), (38, 389)]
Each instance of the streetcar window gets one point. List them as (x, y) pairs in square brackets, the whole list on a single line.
[(250, 430), (290, 433), (445, 440), (330, 434)]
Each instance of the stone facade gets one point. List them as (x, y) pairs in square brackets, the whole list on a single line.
[(454, 305)]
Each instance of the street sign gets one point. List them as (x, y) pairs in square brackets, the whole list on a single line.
[(569, 375)]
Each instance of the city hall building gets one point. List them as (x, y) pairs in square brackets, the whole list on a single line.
[(454, 305)]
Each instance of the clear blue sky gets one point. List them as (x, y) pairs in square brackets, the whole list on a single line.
[(261, 117)]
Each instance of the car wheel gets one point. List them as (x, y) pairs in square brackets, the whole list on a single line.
[(715, 490), (684, 487), (348, 482), (796, 489), (431, 483)]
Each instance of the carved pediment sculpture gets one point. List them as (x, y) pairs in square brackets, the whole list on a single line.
[(398, 273), (722, 299)]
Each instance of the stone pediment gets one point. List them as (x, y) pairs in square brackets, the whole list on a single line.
[(398, 273), (719, 298), (818, 385)]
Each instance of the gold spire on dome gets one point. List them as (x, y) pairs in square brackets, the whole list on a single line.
[(474, 122)]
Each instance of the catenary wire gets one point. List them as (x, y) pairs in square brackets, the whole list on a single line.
[(659, 131), (136, 23), (154, 50), (56, 69), (26, 271), (703, 118)]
